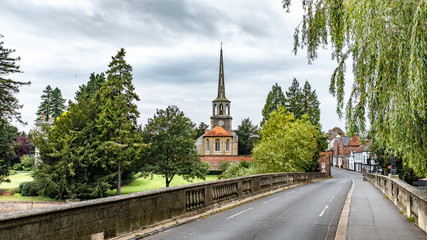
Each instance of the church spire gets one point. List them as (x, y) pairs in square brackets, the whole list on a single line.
[(221, 85)]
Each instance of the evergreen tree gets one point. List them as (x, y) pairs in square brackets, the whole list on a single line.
[(171, 151), (117, 120), (275, 98), (8, 134), (247, 134), (310, 104), (92, 87), (58, 103), (9, 105), (45, 108), (200, 130), (294, 99)]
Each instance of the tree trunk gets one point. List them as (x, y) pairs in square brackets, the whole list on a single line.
[(119, 179)]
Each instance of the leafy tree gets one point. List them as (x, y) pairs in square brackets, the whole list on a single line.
[(200, 130), (386, 42), (275, 98), (247, 134), (286, 144), (8, 133), (332, 133), (171, 151), (21, 146), (92, 87), (45, 108), (117, 120), (58, 103), (9, 105)]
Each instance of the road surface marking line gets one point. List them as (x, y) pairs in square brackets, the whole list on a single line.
[(341, 233), (270, 200), (240, 213), (326, 207), (332, 198), (290, 192)]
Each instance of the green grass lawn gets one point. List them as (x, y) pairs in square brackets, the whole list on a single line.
[(144, 184), (138, 185), (15, 180)]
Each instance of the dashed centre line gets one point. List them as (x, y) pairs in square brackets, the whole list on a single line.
[(326, 207), (331, 198), (239, 213), (270, 200)]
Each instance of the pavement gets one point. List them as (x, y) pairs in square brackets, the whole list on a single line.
[(372, 216)]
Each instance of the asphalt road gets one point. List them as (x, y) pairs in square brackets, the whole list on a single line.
[(310, 211)]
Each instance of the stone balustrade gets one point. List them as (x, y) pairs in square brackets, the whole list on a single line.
[(114, 216), (407, 198)]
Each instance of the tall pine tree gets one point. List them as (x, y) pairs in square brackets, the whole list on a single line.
[(58, 103), (45, 108), (275, 98), (117, 121), (294, 99), (9, 105), (92, 87), (311, 104)]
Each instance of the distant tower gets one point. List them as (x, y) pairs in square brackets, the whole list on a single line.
[(221, 105)]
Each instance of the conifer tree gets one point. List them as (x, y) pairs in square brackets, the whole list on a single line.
[(310, 104), (45, 108), (247, 134), (117, 120), (294, 99), (58, 103), (275, 98), (9, 105), (92, 87)]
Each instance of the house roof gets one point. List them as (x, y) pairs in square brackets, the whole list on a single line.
[(218, 131)]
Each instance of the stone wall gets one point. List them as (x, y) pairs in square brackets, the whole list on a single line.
[(214, 161), (409, 199), (114, 216), (12, 206)]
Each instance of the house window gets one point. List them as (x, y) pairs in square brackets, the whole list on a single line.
[(217, 145), (227, 145), (208, 145)]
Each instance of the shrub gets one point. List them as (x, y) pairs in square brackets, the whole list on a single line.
[(239, 169), (223, 166), (29, 189)]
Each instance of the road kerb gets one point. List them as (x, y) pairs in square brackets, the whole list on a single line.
[(343, 223)]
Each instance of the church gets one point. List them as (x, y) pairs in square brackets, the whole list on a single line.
[(220, 143)]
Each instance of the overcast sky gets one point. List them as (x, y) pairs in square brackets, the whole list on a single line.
[(173, 47)]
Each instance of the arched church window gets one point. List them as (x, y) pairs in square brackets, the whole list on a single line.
[(227, 145), (228, 109), (221, 109), (214, 109), (208, 145), (217, 145)]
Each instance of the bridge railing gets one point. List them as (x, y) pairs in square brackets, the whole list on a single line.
[(407, 198), (114, 216)]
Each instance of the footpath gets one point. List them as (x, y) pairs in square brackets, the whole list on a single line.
[(372, 216)]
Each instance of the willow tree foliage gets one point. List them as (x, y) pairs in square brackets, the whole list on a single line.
[(386, 42), (286, 144)]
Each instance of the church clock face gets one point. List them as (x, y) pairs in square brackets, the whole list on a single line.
[(221, 123)]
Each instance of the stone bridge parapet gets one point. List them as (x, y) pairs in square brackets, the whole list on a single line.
[(114, 216), (409, 199)]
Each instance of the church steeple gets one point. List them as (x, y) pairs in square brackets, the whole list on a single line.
[(221, 85), (221, 105)]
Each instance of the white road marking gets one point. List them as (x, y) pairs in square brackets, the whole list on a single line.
[(332, 198), (290, 192), (323, 211), (240, 213), (270, 200)]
